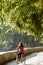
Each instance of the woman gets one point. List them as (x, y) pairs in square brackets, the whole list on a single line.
[(20, 53)]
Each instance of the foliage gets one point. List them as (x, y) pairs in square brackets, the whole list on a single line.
[(22, 15)]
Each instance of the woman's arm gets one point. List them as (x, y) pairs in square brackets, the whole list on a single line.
[(17, 47)]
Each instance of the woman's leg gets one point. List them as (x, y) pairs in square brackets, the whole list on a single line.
[(22, 57)]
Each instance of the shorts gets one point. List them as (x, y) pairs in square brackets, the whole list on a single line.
[(19, 55)]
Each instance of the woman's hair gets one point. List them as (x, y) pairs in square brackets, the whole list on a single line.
[(21, 44)]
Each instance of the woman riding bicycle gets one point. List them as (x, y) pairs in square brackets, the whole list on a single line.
[(20, 52)]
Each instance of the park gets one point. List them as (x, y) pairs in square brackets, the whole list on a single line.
[(21, 21)]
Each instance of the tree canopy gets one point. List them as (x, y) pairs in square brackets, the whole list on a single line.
[(23, 15)]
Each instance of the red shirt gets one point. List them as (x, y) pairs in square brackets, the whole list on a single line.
[(21, 49)]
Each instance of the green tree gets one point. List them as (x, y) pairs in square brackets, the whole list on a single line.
[(24, 15)]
